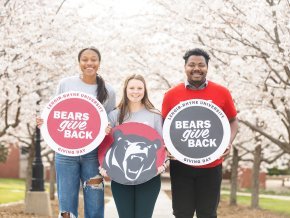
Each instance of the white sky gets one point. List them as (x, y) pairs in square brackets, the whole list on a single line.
[(119, 7)]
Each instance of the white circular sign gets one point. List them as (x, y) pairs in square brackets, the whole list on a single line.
[(196, 132)]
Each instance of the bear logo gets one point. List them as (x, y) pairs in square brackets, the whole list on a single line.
[(131, 159)]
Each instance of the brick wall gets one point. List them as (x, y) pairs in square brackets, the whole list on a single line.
[(10, 169), (245, 178)]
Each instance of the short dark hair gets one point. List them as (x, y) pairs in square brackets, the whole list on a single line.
[(196, 52)]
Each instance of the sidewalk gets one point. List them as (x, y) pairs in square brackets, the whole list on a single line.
[(162, 208)]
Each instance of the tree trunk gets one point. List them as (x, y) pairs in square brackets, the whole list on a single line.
[(29, 167), (234, 177), (255, 176), (52, 179)]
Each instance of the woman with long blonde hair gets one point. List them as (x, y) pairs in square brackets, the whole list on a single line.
[(136, 201)]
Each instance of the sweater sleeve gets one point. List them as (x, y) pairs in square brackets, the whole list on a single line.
[(229, 108), (158, 123), (59, 90), (110, 104), (165, 106), (113, 118)]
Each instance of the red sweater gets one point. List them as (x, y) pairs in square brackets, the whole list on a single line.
[(218, 94)]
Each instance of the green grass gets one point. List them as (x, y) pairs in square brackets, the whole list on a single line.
[(262, 191), (11, 190), (274, 205)]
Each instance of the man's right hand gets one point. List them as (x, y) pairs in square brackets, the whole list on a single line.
[(170, 156)]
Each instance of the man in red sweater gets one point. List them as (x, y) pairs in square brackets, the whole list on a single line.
[(197, 189)]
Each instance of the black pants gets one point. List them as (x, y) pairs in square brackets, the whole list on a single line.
[(136, 201), (195, 190)]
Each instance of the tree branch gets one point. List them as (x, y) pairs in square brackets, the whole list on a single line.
[(283, 145)]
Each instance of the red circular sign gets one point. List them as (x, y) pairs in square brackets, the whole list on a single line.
[(74, 123)]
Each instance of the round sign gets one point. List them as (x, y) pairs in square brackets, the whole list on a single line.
[(74, 123), (196, 132), (132, 154)]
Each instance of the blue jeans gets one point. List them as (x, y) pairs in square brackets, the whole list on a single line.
[(70, 171)]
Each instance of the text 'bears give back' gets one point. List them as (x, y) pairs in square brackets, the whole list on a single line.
[(196, 133), (73, 124)]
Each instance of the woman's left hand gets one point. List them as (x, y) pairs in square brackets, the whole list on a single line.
[(108, 129), (103, 172), (162, 168)]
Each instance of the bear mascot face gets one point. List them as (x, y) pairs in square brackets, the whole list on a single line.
[(131, 158)]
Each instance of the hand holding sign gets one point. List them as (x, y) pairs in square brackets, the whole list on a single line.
[(39, 122), (226, 152)]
